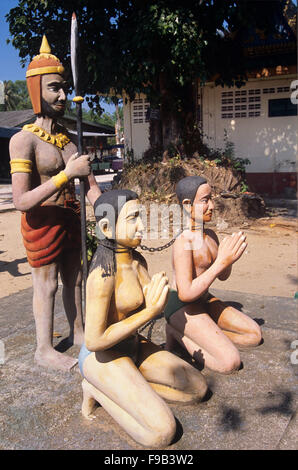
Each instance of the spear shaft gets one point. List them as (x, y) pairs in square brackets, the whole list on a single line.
[(74, 49)]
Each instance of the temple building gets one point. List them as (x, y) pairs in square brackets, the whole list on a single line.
[(259, 118)]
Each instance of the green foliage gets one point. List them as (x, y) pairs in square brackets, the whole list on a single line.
[(109, 119), (157, 47), (220, 157), (16, 96), (229, 148), (20, 87), (129, 157), (105, 118), (70, 109), (229, 154), (10, 97), (244, 187)]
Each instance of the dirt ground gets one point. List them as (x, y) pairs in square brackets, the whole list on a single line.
[(268, 267)]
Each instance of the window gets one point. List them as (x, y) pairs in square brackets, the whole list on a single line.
[(239, 104), (139, 111), (240, 93), (254, 106), (283, 89), (254, 114), (254, 99), (281, 107)]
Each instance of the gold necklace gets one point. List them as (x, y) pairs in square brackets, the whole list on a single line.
[(60, 140)]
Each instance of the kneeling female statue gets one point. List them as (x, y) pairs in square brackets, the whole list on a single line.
[(124, 372)]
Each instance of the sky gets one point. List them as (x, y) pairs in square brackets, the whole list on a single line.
[(9, 58), (10, 68)]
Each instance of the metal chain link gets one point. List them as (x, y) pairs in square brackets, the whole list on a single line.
[(159, 248), (151, 324)]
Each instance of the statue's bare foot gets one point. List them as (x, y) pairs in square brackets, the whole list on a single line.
[(55, 360), (89, 403)]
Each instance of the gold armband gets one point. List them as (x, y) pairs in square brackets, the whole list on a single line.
[(19, 165), (60, 179)]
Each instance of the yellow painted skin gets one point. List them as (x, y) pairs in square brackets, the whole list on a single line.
[(117, 306)]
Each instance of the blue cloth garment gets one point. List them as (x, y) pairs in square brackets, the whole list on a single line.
[(84, 352)]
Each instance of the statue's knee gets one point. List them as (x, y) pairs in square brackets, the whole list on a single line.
[(47, 289), (45, 281), (202, 388), (256, 335), (197, 386), (230, 363), (160, 428), (253, 337), (162, 435)]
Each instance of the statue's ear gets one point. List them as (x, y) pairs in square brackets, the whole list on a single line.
[(105, 227), (186, 202)]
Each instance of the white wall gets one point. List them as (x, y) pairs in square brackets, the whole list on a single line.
[(136, 128), (270, 143)]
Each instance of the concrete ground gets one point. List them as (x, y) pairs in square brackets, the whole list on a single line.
[(254, 408)]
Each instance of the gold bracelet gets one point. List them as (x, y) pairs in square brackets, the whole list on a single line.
[(60, 179), (19, 165)]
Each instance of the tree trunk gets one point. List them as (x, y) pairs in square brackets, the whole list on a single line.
[(166, 130), (171, 129), (155, 133), (174, 126), (118, 130), (117, 124)]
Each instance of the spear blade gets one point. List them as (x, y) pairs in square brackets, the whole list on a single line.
[(74, 50)]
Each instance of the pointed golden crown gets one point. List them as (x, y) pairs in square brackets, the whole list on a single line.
[(44, 62), (45, 50)]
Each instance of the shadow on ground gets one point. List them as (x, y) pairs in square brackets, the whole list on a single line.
[(13, 267), (254, 408)]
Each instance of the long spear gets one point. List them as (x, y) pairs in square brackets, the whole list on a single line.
[(74, 51)]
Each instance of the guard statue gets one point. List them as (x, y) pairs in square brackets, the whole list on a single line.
[(44, 164)]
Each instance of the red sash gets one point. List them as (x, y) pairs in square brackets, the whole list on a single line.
[(48, 231)]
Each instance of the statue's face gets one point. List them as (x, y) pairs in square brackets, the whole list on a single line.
[(53, 95), (129, 226), (204, 203)]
